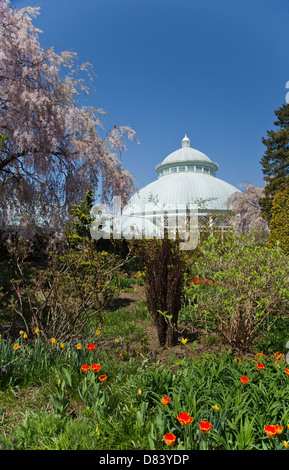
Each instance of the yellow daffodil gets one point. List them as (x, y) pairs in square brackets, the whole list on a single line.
[(184, 340)]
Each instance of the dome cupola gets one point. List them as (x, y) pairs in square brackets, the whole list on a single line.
[(186, 159), (185, 141)]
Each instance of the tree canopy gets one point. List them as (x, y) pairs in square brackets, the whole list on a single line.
[(246, 212), (51, 147), (275, 161)]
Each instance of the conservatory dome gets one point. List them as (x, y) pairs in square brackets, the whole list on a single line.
[(186, 154), (185, 177)]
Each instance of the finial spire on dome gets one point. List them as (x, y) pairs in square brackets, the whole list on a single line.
[(185, 141)]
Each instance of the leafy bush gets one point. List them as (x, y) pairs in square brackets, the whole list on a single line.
[(241, 290), (61, 298)]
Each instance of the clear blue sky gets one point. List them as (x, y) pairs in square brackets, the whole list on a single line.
[(215, 70)]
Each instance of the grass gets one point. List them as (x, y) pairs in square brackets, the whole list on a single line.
[(120, 418), (116, 323), (48, 403)]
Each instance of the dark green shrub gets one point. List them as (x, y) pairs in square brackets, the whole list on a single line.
[(164, 265)]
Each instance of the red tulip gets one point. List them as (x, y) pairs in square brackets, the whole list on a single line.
[(165, 400), (278, 429), (244, 379), (205, 426), (95, 367), (184, 418), (270, 430), (170, 439)]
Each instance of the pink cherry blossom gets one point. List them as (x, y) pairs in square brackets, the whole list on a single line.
[(53, 147)]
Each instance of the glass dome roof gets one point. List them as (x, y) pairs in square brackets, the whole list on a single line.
[(207, 191), (186, 177)]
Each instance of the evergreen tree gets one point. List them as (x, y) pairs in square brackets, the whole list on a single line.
[(275, 161), (80, 227)]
